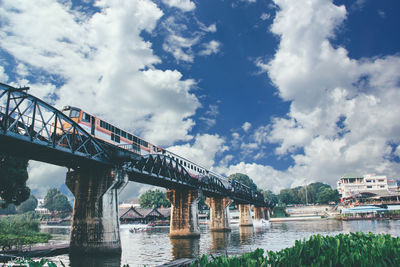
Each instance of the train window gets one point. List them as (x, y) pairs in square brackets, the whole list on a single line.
[(130, 136), (135, 147), (123, 134), (117, 131), (135, 139), (112, 128), (74, 113), (112, 137), (116, 138), (184, 163), (102, 124), (86, 117), (144, 143)]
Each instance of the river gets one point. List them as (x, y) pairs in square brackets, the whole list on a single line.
[(154, 247)]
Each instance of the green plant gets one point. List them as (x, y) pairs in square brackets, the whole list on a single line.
[(22, 262), (20, 230), (354, 249)]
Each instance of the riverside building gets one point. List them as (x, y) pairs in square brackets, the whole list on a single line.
[(351, 185)]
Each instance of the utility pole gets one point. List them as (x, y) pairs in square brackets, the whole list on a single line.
[(306, 196)]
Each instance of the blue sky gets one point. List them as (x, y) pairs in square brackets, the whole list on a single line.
[(288, 92)]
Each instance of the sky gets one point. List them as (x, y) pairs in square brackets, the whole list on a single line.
[(287, 92)]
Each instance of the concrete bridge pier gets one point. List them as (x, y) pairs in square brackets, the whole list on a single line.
[(245, 215), (184, 221), (219, 213), (259, 213), (95, 224)]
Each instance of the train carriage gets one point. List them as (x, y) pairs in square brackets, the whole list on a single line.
[(109, 133)]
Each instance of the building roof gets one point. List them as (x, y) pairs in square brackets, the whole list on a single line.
[(141, 213), (130, 213), (363, 209), (166, 212), (352, 175)]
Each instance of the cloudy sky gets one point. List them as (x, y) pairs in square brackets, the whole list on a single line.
[(288, 92)]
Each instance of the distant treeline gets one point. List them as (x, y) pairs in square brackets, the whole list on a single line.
[(317, 193)]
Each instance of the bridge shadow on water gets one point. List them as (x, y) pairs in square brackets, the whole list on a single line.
[(79, 260)]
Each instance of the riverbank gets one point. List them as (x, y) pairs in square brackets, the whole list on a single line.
[(44, 250)]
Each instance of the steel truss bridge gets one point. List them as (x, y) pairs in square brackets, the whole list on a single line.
[(32, 128)]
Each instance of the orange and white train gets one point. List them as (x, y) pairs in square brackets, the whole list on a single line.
[(109, 133)]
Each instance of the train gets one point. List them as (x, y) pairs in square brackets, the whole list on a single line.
[(111, 134)]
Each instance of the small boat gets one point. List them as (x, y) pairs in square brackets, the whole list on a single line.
[(138, 228), (261, 223)]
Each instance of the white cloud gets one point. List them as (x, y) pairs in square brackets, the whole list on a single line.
[(180, 47), (343, 114), (203, 150), (3, 75), (211, 28), (175, 43), (265, 177), (265, 16), (103, 59), (44, 176), (209, 121), (246, 126), (184, 5), (209, 48)]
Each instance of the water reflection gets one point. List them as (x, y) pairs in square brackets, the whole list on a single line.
[(77, 260), (184, 247), (219, 241), (246, 235), (154, 247)]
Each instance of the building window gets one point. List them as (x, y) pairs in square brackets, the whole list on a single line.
[(368, 181), (382, 186), (369, 186)]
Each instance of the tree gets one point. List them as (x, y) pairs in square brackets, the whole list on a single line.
[(13, 177), (28, 205), (153, 198), (286, 196), (326, 195), (56, 201), (11, 209), (244, 179), (270, 197)]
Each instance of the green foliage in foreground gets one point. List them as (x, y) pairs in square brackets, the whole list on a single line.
[(21, 262), (354, 249), (20, 230)]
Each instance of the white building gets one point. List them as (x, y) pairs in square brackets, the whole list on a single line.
[(40, 209), (350, 185)]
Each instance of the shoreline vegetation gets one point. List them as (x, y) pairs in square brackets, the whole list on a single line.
[(353, 249), (17, 231)]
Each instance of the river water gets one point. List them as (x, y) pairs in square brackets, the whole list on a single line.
[(154, 247)]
